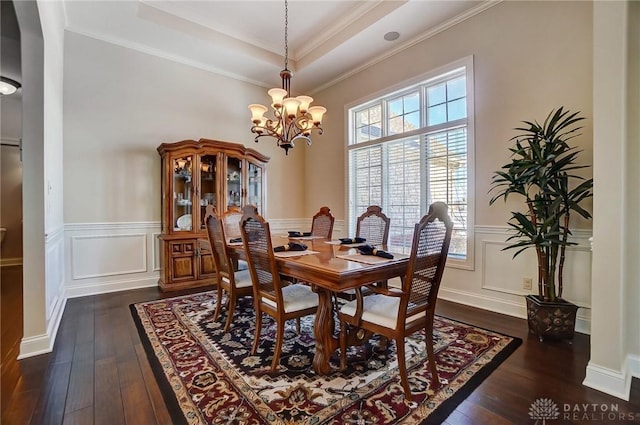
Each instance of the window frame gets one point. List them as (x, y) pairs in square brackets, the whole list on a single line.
[(397, 91)]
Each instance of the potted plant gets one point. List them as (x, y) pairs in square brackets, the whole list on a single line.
[(541, 170)]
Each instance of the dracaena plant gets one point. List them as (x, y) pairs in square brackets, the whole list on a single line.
[(541, 170)]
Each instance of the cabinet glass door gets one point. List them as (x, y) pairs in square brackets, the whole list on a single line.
[(182, 193), (208, 181), (234, 182), (254, 187)]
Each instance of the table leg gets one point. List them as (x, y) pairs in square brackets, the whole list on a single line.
[(326, 343)]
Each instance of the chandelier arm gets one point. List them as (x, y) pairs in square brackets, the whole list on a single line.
[(302, 136), (304, 123)]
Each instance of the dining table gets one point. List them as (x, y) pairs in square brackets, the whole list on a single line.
[(330, 266)]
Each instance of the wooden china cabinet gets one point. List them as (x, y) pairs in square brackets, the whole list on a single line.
[(196, 174)]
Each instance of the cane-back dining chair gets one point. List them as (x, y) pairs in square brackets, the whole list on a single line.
[(373, 225), (231, 223), (235, 283), (322, 223), (397, 312), (277, 298)]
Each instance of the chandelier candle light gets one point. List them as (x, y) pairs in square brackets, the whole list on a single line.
[(294, 118)]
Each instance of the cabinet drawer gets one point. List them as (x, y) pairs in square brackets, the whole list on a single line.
[(182, 248)]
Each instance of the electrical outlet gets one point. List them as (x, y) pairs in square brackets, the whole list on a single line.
[(527, 283)]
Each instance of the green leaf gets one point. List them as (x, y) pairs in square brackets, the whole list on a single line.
[(542, 168)]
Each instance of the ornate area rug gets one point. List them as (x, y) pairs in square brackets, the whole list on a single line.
[(210, 377)]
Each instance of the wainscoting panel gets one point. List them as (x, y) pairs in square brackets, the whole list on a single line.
[(497, 282), (54, 270), (107, 257), (504, 273), (500, 269), (126, 254), (155, 249)]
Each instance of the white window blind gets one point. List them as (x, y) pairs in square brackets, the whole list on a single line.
[(412, 147)]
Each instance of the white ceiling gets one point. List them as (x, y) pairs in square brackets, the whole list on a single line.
[(244, 39)]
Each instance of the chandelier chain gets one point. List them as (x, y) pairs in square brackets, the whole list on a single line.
[(286, 35)]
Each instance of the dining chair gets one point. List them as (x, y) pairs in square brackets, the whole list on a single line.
[(231, 223), (373, 225), (395, 313), (279, 299), (235, 283), (322, 223)]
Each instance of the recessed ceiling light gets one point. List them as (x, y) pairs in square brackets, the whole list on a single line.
[(8, 86), (391, 36)]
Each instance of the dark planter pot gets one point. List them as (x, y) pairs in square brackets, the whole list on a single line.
[(551, 320)]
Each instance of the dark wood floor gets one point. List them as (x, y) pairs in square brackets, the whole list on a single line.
[(98, 373), (11, 318)]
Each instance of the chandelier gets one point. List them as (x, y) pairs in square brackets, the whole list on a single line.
[(294, 118)]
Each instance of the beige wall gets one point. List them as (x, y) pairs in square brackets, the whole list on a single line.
[(120, 104), (529, 57), (11, 203), (632, 248), (11, 178)]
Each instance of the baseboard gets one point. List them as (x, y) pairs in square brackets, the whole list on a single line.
[(9, 262), (498, 305), (633, 365), (42, 344), (495, 305), (106, 287), (612, 382)]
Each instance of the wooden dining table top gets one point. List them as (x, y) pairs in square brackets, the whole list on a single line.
[(326, 267)]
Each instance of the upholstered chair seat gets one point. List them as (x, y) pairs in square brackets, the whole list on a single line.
[(242, 278), (295, 297)]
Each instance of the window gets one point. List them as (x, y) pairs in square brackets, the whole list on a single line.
[(413, 146)]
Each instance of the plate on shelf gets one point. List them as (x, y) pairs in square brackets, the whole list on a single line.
[(184, 222)]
